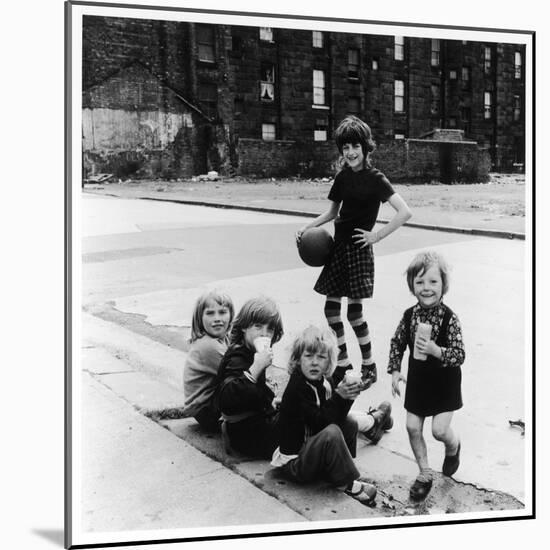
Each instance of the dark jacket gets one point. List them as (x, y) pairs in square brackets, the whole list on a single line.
[(255, 435), (300, 415)]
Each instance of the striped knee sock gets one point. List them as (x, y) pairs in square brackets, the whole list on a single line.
[(361, 329), (333, 308)]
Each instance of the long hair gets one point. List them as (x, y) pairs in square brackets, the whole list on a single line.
[(314, 340), (354, 130), (211, 297), (422, 262), (261, 310)]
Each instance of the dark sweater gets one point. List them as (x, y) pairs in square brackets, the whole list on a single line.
[(255, 435), (300, 415)]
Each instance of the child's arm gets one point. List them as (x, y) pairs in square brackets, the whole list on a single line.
[(323, 218), (402, 214), (453, 354), (397, 348)]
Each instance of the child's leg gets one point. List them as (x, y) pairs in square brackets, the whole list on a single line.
[(333, 308), (415, 425), (361, 329), (350, 429), (442, 431), (324, 456)]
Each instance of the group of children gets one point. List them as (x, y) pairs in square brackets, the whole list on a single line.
[(310, 432)]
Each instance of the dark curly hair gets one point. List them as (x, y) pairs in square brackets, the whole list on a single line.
[(256, 310), (354, 130)]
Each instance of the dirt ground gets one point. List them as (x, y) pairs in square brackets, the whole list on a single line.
[(499, 204)]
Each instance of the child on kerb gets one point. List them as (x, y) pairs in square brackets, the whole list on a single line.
[(317, 436), (436, 352), (212, 317), (354, 202), (245, 400)]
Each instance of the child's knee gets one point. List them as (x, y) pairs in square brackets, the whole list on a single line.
[(441, 433), (414, 429), (331, 434)]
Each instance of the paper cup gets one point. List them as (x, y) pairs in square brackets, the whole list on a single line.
[(423, 329), (351, 378), (262, 343)]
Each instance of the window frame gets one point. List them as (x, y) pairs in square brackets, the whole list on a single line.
[(267, 82), (202, 44), (398, 98), (266, 34), (317, 39), (354, 74), (269, 131), (318, 88), (487, 105), (435, 59), (399, 48), (518, 65)]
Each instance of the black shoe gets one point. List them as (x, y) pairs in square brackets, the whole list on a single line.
[(420, 489), (451, 463), (382, 419), (368, 376)]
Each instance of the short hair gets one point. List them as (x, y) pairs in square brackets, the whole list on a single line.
[(212, 296), (314, 339), (262, 310), (422, 262), (354, 130)]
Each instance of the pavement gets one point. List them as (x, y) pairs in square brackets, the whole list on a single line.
[(148, 474)]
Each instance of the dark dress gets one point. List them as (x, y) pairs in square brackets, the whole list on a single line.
[(349, 270), (434, 385), (246, 406)]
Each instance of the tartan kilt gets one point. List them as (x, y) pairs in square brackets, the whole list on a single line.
[(349, 272)]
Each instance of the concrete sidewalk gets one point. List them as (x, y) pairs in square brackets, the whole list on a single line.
[(146, 469)]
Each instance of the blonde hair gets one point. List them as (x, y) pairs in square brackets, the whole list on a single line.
[(213, 296), (313, 339), (261, 310), (422, 262)]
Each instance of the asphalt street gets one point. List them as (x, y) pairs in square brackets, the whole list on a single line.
[(144, 263)]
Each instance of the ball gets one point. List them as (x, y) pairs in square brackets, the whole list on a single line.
[(315, 246)]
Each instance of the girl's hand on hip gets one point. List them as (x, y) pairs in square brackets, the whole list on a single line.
[(396, 377), (363, 238)]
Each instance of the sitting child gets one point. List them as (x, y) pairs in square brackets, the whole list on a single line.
[(317, 438), (245, 400), (211, 321)]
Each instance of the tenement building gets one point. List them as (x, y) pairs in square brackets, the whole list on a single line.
[(174, 99)]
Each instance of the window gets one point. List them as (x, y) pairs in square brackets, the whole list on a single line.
[(238, 106), (487, 105), (205, 43), (452, 122), (320, 132), (353, 63), (375, 64), (267, 82), (517, 65), (466, 116), (434, 105), (517, 108), (466, 76), (399, 48), (208, 98), (354, 105), (399, 96), (399, 135), (487, 59), (318, 87), (452, 75), (317, 37), (436, 48), (268, 132), (266, 34)]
